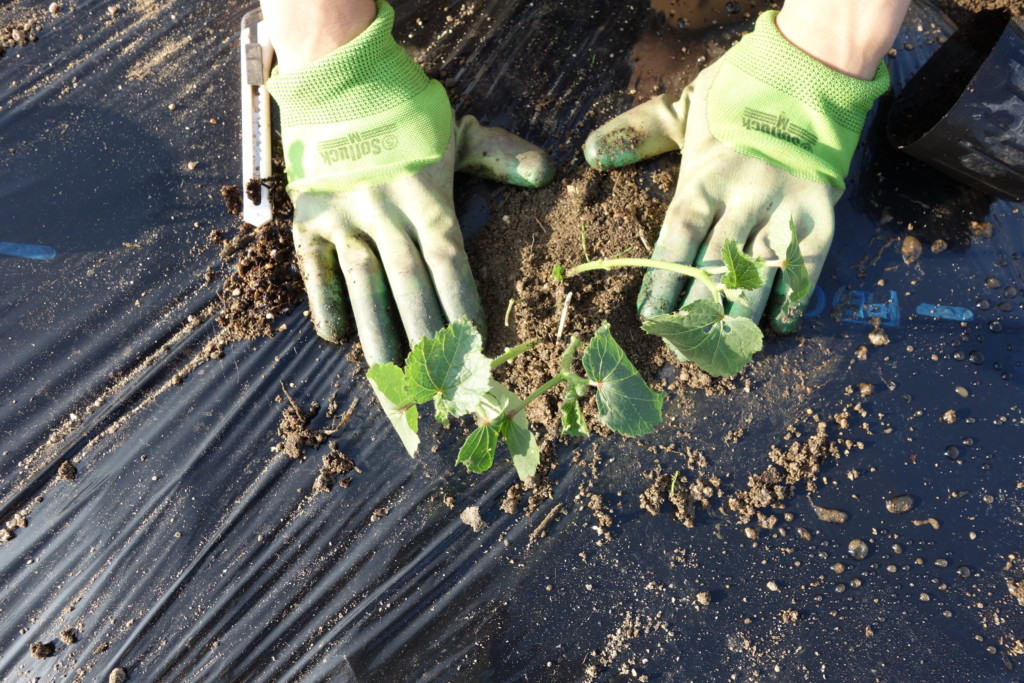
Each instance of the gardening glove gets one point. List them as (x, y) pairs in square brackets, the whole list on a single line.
[(766, 135), (370, 148)]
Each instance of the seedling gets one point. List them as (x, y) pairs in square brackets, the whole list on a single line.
[(702, 332), (452, 372)]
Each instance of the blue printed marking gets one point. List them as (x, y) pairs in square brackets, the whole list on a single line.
[(32, 251), (945, 312), (855, 306)]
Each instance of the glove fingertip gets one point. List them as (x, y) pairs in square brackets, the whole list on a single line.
[(605, 151)]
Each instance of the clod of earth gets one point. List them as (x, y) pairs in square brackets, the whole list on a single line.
[(41, 650), (471, 517)]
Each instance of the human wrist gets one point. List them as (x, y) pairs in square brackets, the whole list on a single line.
[(306, 31), (849, 37)]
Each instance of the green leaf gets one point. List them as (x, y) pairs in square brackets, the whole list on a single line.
[(558, 272), (624, 401), (573, 423), (701, 333), (388, 382), (794, 270), (449, 369), (477, 454), (743, 271), (522, 445), (576, 387)]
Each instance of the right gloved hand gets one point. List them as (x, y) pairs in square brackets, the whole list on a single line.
[(371, 149), (766, 135)]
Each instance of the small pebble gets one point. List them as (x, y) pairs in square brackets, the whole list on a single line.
[(878, 337), (830, 515), (54, 8), (911, 250), (898, 505), (118, 675), (962, 392), (925, 597), (949, 417), (939, 246), (772, 586), (112, 11)]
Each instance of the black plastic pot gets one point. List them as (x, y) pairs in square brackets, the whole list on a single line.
[(963, 112)]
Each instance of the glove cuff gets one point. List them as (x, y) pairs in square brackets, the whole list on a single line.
[(367, 75), (797, 113), (363, 115)]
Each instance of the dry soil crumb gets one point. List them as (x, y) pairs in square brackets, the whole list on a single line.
[(261, 281), (619, 641), (686, 498), (67, 471), (294, 428), (333, 470), (68, 636), (471, 517), (41, 650), (118, 675), (798, 463), (1016, 588)]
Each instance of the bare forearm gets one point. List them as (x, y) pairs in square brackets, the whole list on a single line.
[(851, 36), (302, 32)]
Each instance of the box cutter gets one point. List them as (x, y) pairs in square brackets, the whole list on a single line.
[(257, 55)]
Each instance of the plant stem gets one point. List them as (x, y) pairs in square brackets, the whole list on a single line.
[(511, 411), (672, 488), (513, 352), (563, 376), (607, 264)]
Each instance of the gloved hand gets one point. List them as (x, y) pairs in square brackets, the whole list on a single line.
[(766, 135), (370, 150)]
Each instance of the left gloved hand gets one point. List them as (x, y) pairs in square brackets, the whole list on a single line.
[(371, 149), (766, 135)]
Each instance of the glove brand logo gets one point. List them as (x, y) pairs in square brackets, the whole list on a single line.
[(780, 127), (355, 146)]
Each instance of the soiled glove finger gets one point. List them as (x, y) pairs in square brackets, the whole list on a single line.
[(368, 292), (430, 209), (647, 130), (816, 229), (318, 263), (687, 222), (496, 154)]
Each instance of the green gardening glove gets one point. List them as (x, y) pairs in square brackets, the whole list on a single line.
[(370, 149), (766, 135)]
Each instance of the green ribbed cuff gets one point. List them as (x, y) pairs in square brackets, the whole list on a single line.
[(797, 114), (363, 115)]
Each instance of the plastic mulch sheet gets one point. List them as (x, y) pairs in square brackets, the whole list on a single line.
[(186, 549)]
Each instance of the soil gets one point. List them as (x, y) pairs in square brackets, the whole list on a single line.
[(960, 10), (41, 650), (67, 471)]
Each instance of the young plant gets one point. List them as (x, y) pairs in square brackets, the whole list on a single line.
[(702, 332), (452, 372)]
